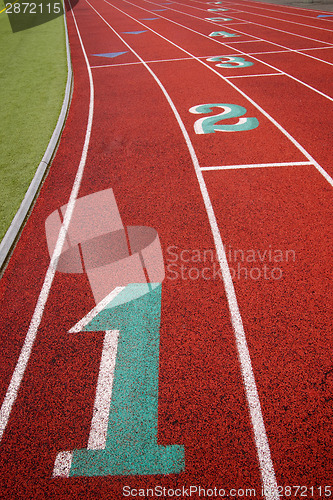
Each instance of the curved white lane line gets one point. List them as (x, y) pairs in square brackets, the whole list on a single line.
[(26, 350), (261, 441)]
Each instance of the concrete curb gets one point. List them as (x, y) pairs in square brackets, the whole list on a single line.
[(11, 237), (320, 5)]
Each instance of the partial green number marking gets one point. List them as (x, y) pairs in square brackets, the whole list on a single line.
[(230, 62), (208, 124), (224, 34), (216, 19), (216, 10)]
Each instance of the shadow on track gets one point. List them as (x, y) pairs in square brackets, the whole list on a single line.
[(27, 14)]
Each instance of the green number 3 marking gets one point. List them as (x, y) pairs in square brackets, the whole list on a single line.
[(208, 125), (231, 62)]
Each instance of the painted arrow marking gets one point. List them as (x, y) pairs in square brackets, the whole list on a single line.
[(110, 54)]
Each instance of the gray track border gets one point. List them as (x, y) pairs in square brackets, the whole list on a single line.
[(11, 237)]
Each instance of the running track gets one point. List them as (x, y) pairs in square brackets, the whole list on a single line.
[(246, 375)]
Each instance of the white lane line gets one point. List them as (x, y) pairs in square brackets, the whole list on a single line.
[(258, 39), (285, 51), (252, 76), (115, 65), (100, 419), (233, 24), (257, 165), (261, 441), (26, 350), (237, 41), (138, 63), (316, 48)]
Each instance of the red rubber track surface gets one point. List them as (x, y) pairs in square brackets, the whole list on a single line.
[(137, 148)]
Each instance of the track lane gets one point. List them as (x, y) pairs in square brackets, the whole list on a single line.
[(289, 332), (192, 339), (318, 282), (41, 420), (285, 475), (178, 80)]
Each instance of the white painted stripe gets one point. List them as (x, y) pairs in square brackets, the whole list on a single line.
[(26, 350), (100, 419), (252, 76), (115, 65), (62, 464), (80, 325), (258, 165), (140, 64), (316, 48), (237, 41), (261, 441), (238, 22), (269, 52)]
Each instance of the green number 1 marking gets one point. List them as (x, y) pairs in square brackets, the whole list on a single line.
[(128, 445), (230, 62), (208, 125)]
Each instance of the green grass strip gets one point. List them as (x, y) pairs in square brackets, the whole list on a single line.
[(33, 74)]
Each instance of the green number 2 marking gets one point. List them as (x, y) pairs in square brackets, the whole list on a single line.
[(208, 125), (231, 62)]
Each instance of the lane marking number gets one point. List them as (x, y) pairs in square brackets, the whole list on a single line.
[(208, 124), (230, 62), (218, 19), (224, 34)]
